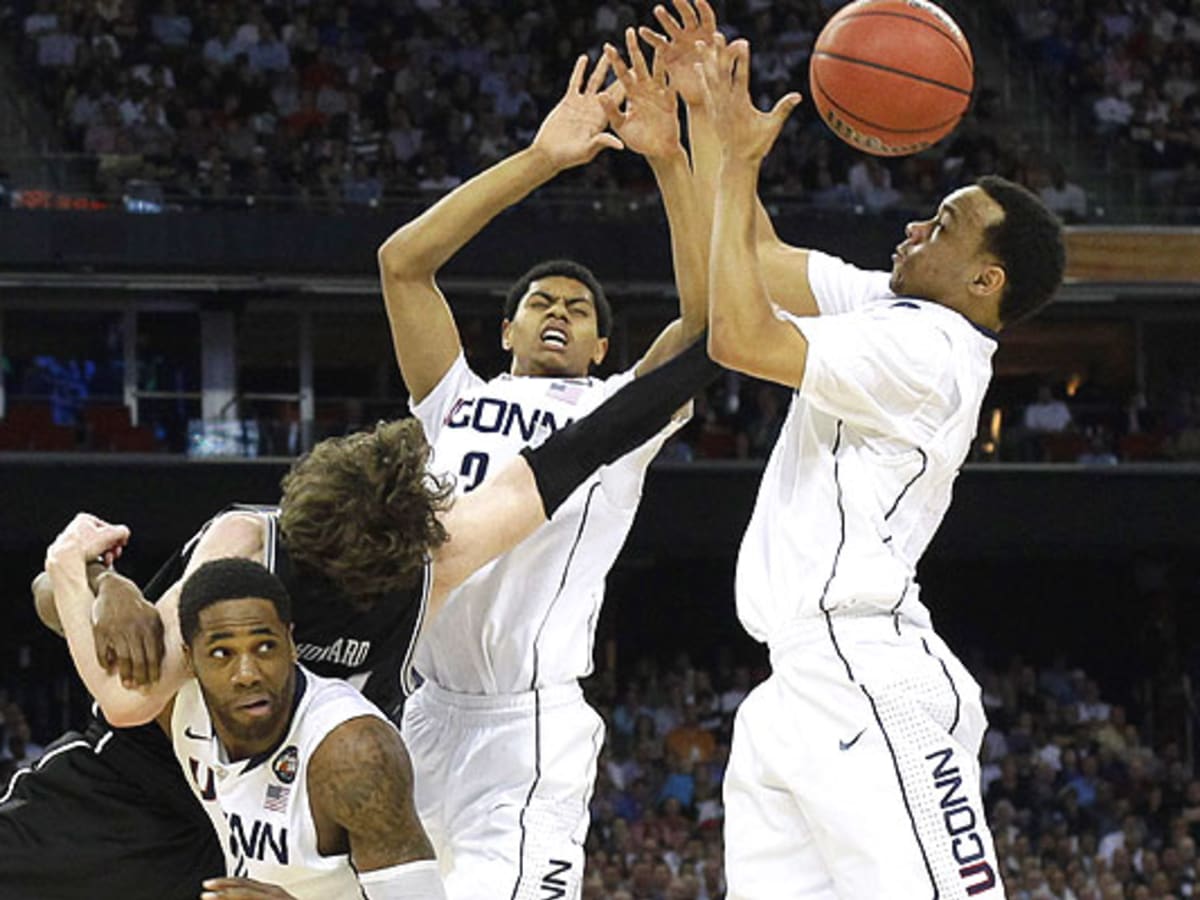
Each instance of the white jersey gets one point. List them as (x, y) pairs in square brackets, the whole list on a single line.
[(259, 807), (526, 620), (861, 475)]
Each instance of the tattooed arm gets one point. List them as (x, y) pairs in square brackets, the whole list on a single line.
[(360, 787)]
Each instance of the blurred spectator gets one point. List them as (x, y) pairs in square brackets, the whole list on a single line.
[(1065, 198)]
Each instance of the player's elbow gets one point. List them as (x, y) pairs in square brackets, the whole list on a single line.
[(399, 261), (728, 344)]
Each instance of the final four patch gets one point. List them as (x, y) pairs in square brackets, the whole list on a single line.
[(287, 764)]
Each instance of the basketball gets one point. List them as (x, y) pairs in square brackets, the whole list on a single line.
[(891, 77)]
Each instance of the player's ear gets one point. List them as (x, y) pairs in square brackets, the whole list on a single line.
[(292, 643), (505, 340), (989, 281), (600, 352), (188, 666)]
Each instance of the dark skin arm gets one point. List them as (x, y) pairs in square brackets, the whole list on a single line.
[(360, 795)]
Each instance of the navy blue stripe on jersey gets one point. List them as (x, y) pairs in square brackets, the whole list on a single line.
[(924, 466), (537, 697), (562, 582), (899, 603), (837, 554), (903, 793), (953, 689), (537, 777)]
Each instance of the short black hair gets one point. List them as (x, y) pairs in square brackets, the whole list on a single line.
[(233, 578), (567, 268), (1029, 245)]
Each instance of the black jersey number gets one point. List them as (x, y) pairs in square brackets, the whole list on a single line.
[(474, 470)]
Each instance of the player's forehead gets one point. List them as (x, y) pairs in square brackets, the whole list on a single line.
[(971, 205), (239, 618), (559, 287)]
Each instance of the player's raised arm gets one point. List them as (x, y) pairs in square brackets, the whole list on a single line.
[(744, 332), (648, 123), (361, 797), (681, 44), (424, 335)]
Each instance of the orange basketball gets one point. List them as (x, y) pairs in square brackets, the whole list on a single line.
[(891, 77)]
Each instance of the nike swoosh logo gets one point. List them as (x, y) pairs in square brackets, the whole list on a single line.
[(187, 732), (846, 745)]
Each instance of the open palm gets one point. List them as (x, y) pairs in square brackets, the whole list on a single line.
[(649, 121), (574, 131), (677, 50)]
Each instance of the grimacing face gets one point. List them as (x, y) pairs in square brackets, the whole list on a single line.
[(941, 257), (554, 331), (244, 659)]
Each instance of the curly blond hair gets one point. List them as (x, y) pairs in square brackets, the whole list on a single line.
[(363, 511)]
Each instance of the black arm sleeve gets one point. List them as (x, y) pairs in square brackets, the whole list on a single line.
[(623, 422)]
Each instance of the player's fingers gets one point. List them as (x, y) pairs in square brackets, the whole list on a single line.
[(598, 75), (153, 650), (740, 51), (783, 108), (658, 70), (654, 39), (708, 18), (612, 111), (667, 21), (687, 15), (611, 54), (636, 60), (616, 91), (124, 657), (105, 656), (576, 80), (606, 141)]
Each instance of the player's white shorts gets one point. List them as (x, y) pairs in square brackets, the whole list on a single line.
[(854, 771), (502, 787)]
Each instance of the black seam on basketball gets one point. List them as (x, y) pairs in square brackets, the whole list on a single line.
[(882, 68), (950, 36), (829, 99)]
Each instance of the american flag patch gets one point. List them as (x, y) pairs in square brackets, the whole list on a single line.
[(277, 798), (567, 391)]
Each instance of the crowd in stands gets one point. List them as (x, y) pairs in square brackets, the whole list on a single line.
[(1082, 805), (1129, 69), (345, 105)]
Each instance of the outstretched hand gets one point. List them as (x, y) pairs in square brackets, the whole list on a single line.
[(574, 131), (648, 122), (677, 49), (745, 132)]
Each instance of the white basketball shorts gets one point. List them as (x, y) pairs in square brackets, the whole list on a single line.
[(854, 771), (502, 787)]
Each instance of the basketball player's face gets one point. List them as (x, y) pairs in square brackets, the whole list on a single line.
[(554, 330), (244, 659), (940, 257)]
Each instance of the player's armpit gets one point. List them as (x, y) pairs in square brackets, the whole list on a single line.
[(360, 788)]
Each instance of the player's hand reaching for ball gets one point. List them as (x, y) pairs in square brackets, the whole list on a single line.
[(574, 131), (677, 50), (127, 631), (242, 889), (744, 131), (648, 122)]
